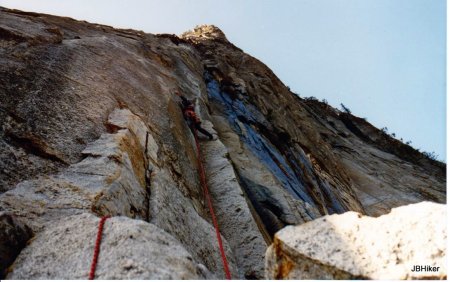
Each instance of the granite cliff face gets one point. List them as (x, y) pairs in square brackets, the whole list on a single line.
[(90, 127)]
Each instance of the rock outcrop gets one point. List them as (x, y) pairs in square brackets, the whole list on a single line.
[(131, 249), (353, 246), (110, 180), (90, 127), (385, 172)]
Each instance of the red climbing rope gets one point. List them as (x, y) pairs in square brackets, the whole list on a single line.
[(97, 247), (211, 209)]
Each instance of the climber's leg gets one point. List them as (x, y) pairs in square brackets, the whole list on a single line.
[(202, 130)]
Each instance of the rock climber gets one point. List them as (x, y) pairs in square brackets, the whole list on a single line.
[(189, 114)]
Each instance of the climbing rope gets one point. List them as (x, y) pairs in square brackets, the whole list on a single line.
[(211, 209), (97, 247)]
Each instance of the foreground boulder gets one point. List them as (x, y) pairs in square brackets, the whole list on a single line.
[(130, 249), (352, 246)]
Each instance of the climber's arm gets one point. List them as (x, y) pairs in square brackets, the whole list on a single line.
[(183, 98)]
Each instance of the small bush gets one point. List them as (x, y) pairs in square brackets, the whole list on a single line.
[(311, 98), (430, 155), (345, 109)]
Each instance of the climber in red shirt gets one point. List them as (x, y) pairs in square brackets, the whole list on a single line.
[(190, 115)]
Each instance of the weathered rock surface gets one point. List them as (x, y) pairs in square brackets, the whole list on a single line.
[(130, 249), (13, 237), (234, 216), (88, 124), (111, 180), (173, 212), (330, 160), (386, 173), (352, 246), (60, 105), (274, 206)]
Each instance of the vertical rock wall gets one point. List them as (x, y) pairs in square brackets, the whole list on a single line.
[(90, 127), (96, 104)]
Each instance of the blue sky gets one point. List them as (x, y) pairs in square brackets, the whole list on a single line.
[(383, 59)]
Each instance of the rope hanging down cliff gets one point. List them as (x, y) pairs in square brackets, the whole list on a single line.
[(195, 124), (98, 241), (201, 170)]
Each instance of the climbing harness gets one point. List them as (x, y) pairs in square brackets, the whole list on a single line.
[(97, 247), (211, 209), (190, 114)]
